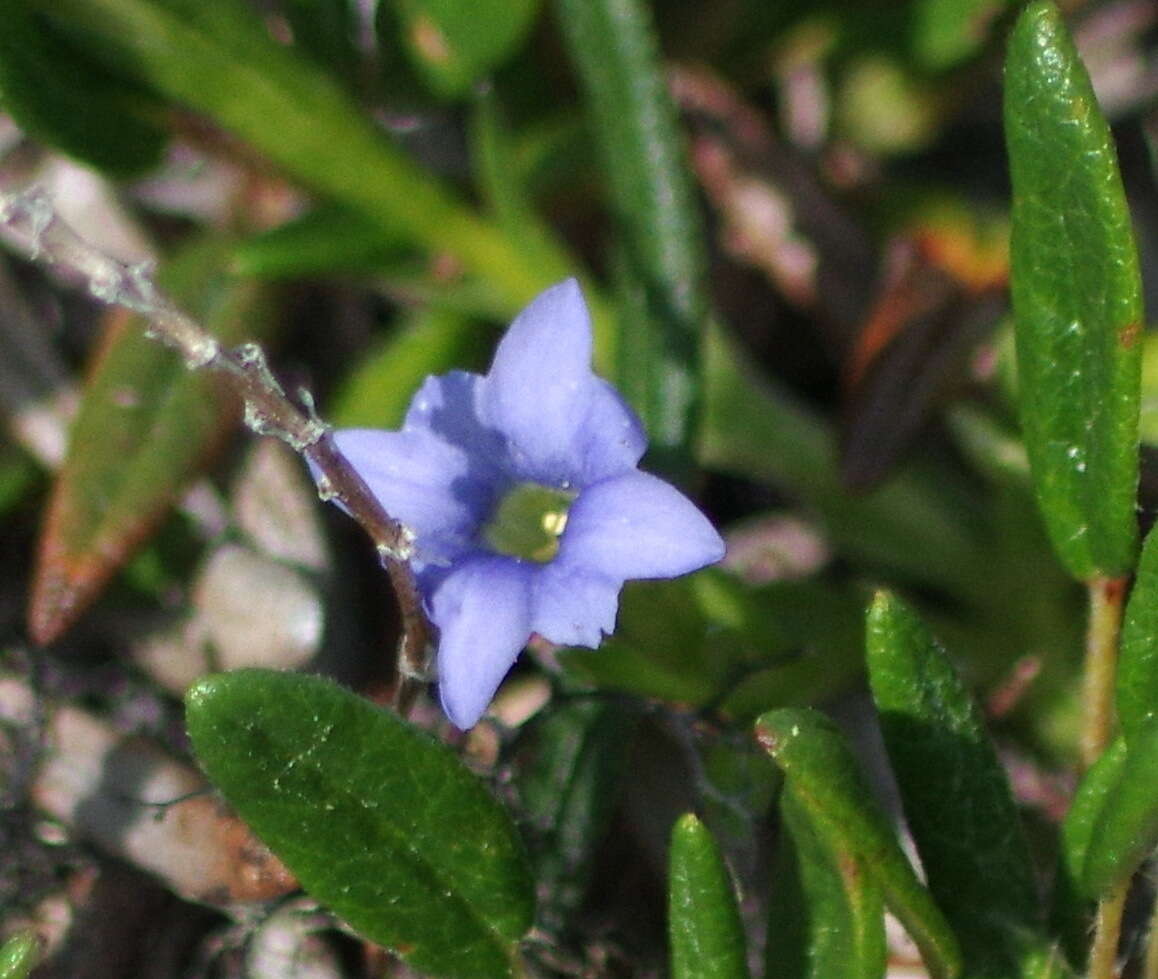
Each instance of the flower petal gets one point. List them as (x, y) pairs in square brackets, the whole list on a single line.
[(538, 389), (571, 606), (448, 406), (637, 526), (611, 439), (422, 481), (482, 610)]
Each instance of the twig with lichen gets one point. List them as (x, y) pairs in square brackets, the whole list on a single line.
[(268, 411)]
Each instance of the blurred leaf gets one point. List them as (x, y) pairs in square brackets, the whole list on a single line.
[(326, 30), (1126, 828), (453, 43), (819, 766), (379, 821), (576, 756), (707, 937), (19, 955), (956, 795), (1137, 677), (17, 474), (946, 32), (1076, 300), (428, 341), (1072, 912), (55, 92), (826, 913), (662, 294), (327, 239), (219, 59), (146, 426), (915, 523)]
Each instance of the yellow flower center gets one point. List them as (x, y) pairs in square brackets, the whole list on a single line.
[(528, 522)]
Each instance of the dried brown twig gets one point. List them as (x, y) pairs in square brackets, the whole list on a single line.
[(268, 411)]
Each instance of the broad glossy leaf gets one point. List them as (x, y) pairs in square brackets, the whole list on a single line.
[(55, 92), (662, 294), (146, 426), (1072, 912), (219, 59), (704, 928), (19, 955), (820, 767), (826, 912), (1137, 677), (1125, 831), (380, 822), (569, 776), (1076, 300), (453, 43), (956, 795)]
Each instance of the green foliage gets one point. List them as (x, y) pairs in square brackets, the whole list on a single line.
[(828, 784), (1076, 299), (707, 938), (382, 823), (19, 956)]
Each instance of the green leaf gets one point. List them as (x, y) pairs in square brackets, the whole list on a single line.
[(19, 955), (946, 32), (328, 239), (956, 795), (1072, 912), (662, 295), (707, 938), (1126, 828), (573, 759), (454, 43), (219, 59), (55, 92), (326, 29), (379, 821), (428, 341), (1137, 677), (1076, 300), (825, 913), (146, 426), (916, 523), (820, 767)]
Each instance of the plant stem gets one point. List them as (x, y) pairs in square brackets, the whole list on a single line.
[(268, 411), (1107, 597), (1107, 928)]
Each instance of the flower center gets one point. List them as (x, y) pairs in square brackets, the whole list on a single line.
[(528, 521)]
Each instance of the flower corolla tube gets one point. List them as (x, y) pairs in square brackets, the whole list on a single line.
[(528, 511)]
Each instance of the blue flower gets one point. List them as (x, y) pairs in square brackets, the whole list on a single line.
[(527, 509)]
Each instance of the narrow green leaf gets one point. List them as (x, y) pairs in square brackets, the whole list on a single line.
[(379, 821), (1071, 912), (146, 426), (819, 765), (1126, 828), (427, 341), (956, 795), (572, 765), (613, 45), (55, 92), (326, 29), (219, 59), (19, 955), (326, 240), (453, 43), (916, 523), (1076, 300), (707, 937), (826, 912), (1137, 677)]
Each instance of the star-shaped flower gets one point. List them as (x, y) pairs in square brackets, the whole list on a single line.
[(527, 508)]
